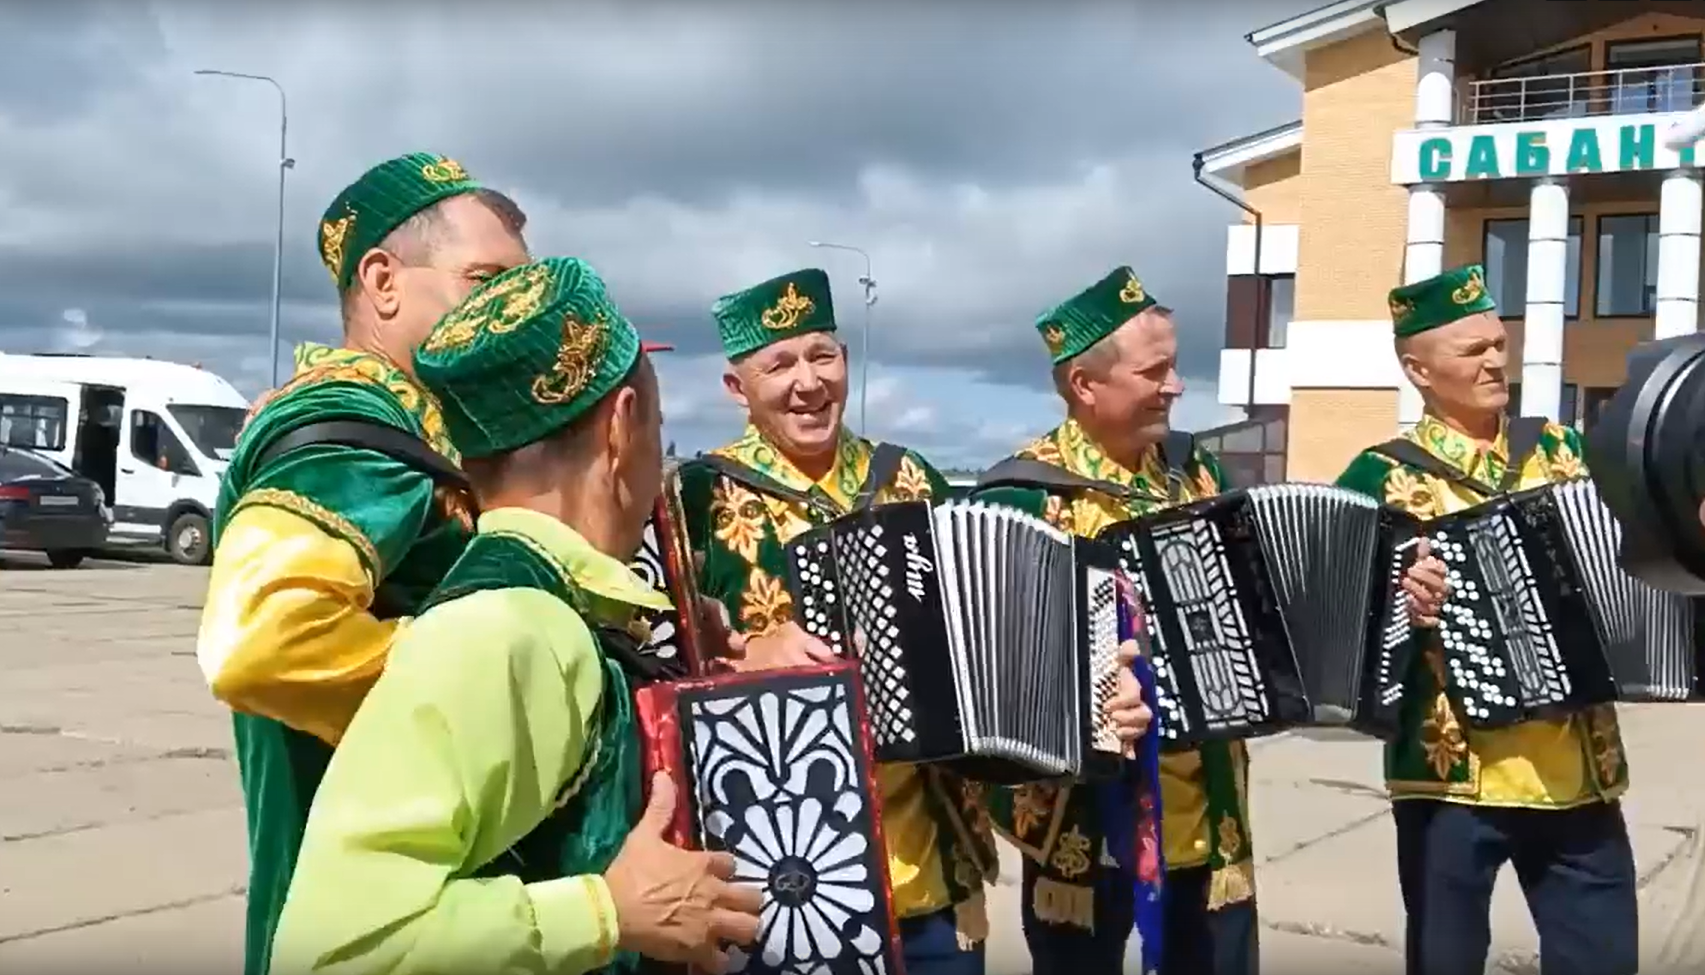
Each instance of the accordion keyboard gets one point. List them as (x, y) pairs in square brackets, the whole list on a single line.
[(1103, 623)]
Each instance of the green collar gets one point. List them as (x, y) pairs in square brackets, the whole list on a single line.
[(588, 569)]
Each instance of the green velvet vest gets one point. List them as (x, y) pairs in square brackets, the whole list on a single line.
[(599, 805)]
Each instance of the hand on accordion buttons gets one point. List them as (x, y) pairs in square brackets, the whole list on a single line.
[(1125, 709), (785, 646), (1425, 587), (676, 905)]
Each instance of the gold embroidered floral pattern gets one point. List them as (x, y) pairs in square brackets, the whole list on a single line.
[(737, 518), (333, 234), (788, 311), (1605, 735), (1055, 512), (1442, 740), (1566, 464), (321, 364), (1231, 840), (1032, 806), (500, 308), (1071, 854), (1401, 309), (1413, 493), (1471, 291), (577, 360), (1054, 337), (1133, 293), (910, 483), (456, 505), (320, 515), (445, 170), (765, 604)]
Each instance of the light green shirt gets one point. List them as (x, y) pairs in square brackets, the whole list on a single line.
[(481, 717)]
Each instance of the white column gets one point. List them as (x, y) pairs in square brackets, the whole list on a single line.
[(1424, 247), (1679, 212), (1547, 287)]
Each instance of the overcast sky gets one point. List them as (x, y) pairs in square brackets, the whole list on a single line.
[(992, 157)]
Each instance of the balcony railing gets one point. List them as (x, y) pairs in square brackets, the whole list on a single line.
[(1626, 91)]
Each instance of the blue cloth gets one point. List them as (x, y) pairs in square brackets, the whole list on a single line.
[(1575, 866), (931, 946), (1204, 942)]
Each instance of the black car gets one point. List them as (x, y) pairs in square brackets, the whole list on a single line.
[(46, 507)]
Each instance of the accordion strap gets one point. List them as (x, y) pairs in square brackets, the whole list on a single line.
[(1176, 451), (884, 464), (1521, 439), (405, 448)]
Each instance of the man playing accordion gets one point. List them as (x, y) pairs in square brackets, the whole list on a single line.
[(797, 467), (1541, 794), (1114, 356), (482, 811)]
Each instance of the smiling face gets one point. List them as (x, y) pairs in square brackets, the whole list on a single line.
[(1460, 368), (795, 392)]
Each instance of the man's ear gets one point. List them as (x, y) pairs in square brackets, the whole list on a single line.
[(1077, 380), (1412, 367), (376, 273), (735, 387), (621, 419)]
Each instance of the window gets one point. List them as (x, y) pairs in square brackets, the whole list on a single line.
[(1505, 250), (22, 463), (1537, 88), (1567, 403), (33, 421), (1653, 76), (154, 444), (1627, 265), (1281, 304), (213, 429)]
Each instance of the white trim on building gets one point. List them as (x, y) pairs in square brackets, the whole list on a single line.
[(1278, 249), (1283, 44), (1229, 160), (1317, 355), (1409, 14)]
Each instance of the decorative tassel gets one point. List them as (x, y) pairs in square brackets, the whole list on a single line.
[(1231, 884), (1056, 902), (971, 918)]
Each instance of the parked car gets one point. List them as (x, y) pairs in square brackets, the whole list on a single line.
[(47, 507)]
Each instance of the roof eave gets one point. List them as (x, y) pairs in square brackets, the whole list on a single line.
[(1229, 160), (1283, 44)]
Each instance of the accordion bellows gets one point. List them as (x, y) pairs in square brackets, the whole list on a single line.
[(986, 638), (665, 560), (1273, 607), (1542, 621), (776, 768)]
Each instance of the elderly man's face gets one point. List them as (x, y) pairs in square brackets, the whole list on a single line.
[(1126, 386), (472, 245), (1461, 366), (795, 392)]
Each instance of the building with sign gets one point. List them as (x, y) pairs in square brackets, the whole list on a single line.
[(1526, 135)]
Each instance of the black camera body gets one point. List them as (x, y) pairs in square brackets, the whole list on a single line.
[(1646, 453)]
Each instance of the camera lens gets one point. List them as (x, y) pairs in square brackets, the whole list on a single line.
[(1647, 456)]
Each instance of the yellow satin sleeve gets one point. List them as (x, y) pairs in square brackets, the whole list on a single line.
[(286, 631)]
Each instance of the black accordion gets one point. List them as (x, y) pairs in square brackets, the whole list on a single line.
[(985, 637), (665, 560), (1273, 607), (1542, 621)]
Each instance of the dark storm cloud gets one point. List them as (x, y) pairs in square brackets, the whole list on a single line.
[(686, 150)]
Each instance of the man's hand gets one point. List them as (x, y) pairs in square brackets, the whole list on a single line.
[(785, 646), (676, 905), (1130, 716), (1425, 587)]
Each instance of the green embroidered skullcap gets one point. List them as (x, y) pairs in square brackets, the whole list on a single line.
[(371, 207), (780, 308), (526, 354), (1439, 300), (1081, 321)]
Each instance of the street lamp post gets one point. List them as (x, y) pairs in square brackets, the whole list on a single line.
[(869, 283), (284, 163)]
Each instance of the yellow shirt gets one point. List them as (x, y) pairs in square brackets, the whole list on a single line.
[(460, 749)]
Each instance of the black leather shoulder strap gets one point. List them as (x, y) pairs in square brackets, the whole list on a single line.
[(1521, 437), (402, 447), (1026, 472), (1411, 454), (761, 482), (1176, 452), (884, 464)]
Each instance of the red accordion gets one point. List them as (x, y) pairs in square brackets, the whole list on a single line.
[(776, 768), (676, 648)]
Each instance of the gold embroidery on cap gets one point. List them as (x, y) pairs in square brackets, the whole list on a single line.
[(1401, 309), (1133, 293), (499, 309), (788, 310), (576, 362), (1054, 337), (1470, 292), (333, 235), (445, 170)]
